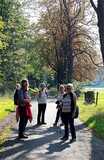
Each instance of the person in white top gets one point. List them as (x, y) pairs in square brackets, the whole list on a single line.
[(59, 105), (42, 103), (68, 112)]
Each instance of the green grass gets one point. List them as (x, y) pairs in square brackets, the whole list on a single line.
[(93, 115), (6, 106)]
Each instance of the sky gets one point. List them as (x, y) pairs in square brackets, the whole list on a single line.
[(32, 10)]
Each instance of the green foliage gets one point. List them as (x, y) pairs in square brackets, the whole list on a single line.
[(13, 57), (22, 53)]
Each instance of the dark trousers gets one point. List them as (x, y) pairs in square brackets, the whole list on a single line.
[(22, 123), (58, 115), (41, 113), (68, 120)]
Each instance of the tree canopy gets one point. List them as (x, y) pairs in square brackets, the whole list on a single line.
[(57, 48)]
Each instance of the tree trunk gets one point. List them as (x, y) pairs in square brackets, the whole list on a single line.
[(100, 14), (60, 74), (69, 49)]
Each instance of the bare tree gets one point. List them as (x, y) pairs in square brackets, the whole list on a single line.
[(67, 41)]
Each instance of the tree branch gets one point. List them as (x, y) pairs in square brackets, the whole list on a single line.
[(88, 54), (93, 5)]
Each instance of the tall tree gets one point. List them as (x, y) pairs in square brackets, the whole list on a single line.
[(99, 9), (63, 29)]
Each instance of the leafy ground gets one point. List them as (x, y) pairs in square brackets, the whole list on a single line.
[(6, 107), (4, 134), (93, 115)]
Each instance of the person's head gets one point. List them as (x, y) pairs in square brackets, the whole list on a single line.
[(69, 87), (61, 88), (65, 86), (25, 84), (18, 86), (42, 86)]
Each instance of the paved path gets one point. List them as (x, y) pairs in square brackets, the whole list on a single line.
[(44, 142)]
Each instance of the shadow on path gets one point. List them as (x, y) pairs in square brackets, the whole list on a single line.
[(22, 147)]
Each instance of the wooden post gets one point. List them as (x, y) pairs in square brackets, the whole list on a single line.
[(97, 98)]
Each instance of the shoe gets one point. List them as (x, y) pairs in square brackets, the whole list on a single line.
[(38, 123), (64, 138), (72, 140), (54, 124), (43, 123), (61, 124), (22, 136)]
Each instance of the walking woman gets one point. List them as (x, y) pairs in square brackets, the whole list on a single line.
[(68, 111), (42, 103)]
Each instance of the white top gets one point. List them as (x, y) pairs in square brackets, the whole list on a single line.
[(66, 101), (66, 104), (42, 98)]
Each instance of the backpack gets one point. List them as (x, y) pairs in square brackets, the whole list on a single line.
[(16, 97), (76, 112)]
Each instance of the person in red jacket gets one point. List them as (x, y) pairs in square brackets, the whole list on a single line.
[(24, 107)]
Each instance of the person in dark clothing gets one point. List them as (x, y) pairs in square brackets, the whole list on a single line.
[(16, 94), (68, 111), (58, 102), (16, 100), (23, 100)]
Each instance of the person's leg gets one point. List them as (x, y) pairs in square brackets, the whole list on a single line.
[(66, 129), (72, 128), (43, 113), (57, 116), (39, 113), (22, 125), (25, 123)]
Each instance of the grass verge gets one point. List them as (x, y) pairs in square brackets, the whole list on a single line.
[(6, 107), (92, 115)]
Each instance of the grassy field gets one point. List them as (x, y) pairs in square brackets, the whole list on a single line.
[(93, 115), (6, 106)]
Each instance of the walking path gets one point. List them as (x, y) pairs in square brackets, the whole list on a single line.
[(44, 142)]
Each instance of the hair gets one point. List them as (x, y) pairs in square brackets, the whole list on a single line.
[(18, 85), (61, 86), (23, 81), (70, 85), (42, 85)]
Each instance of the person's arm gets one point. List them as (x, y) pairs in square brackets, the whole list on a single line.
[(74, 104), (74, 99)]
